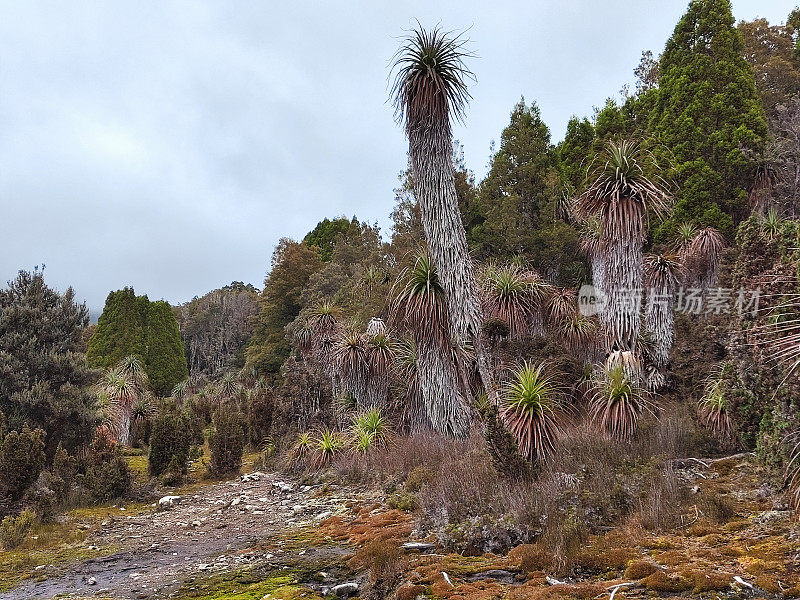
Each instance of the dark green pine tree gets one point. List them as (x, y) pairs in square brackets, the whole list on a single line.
[(120, 331), (519, 201), (574, 152), (164, 359), (325, 235), (707, 118), (132, 325), (43, 372)]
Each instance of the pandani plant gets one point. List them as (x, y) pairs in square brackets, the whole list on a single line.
[(429, 92), (662, 274), (620, 194), (713, 409), (533, 410), (514, 296), (617, 400), (418, 306)]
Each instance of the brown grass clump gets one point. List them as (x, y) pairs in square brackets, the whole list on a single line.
[(371, 521), (383, 559), (667, 582), (530, 557), (582, 591), (409, 591), (602, 559), (639, 569), (707, 582)]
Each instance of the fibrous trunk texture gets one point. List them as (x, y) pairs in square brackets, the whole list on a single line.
[(431, 152), (445, 405)]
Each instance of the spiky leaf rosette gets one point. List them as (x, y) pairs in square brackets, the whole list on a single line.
[(514, 296), (561, 306), (661, 277), (326, 446), (379, 364), (350, 359), (532, 410), (620, 194), (430, 84), (413, 417), (430, 88), (701, 257), (418, 305), (617, 402), (579, 333), (373, 424), (713, 411), (418, 302), (770, 224), (683, 239)]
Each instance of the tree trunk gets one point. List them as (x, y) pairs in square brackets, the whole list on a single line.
[(431, 153)]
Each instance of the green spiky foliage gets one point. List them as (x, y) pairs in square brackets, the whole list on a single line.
[(713, 410), (516, 297), (562, 305), (533, 410), (579, 333), (352, 366), (684, 234), (411, 406), (418, 306), (371, 425), (708, 118), (229, 387), (617, 402), (326, 446), (770, 225), (620, 194), (661, 277), (125, 398), (429, 89)]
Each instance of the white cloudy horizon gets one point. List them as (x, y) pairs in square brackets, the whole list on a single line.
[(168, 146)]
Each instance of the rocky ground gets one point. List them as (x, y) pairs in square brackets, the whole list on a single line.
[(266, 537)]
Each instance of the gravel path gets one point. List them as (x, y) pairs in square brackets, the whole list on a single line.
[(215, 528)]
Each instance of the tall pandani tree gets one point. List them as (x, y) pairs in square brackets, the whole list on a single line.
[(430, 92), (380, 354), (419, 306), (127, 401), (620, 195), (662, 275)]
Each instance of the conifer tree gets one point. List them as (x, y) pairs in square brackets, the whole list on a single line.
[(708, 118), (131, 325)]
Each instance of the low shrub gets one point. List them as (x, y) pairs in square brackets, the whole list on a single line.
[(383, 559), (14, 530), (108, 480), (260, 408), (170, 441), (227, 441)]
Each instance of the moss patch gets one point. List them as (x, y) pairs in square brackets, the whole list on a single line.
[(245, 585)]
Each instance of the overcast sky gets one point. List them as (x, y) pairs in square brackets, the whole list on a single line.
[(169, 145)]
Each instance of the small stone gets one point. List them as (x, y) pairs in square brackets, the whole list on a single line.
[(344, 590), (91, 581), (168, 502), (418, 546)]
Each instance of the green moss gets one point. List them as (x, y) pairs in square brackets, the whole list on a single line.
[(245, 585)]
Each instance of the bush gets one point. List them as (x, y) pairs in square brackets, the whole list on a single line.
[(21, 460), (13, 530), (170, 441), (227, 441), (109, 480), (173, 474), (259, 416)]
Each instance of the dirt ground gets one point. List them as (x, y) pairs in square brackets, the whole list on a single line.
[(218, 527)]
